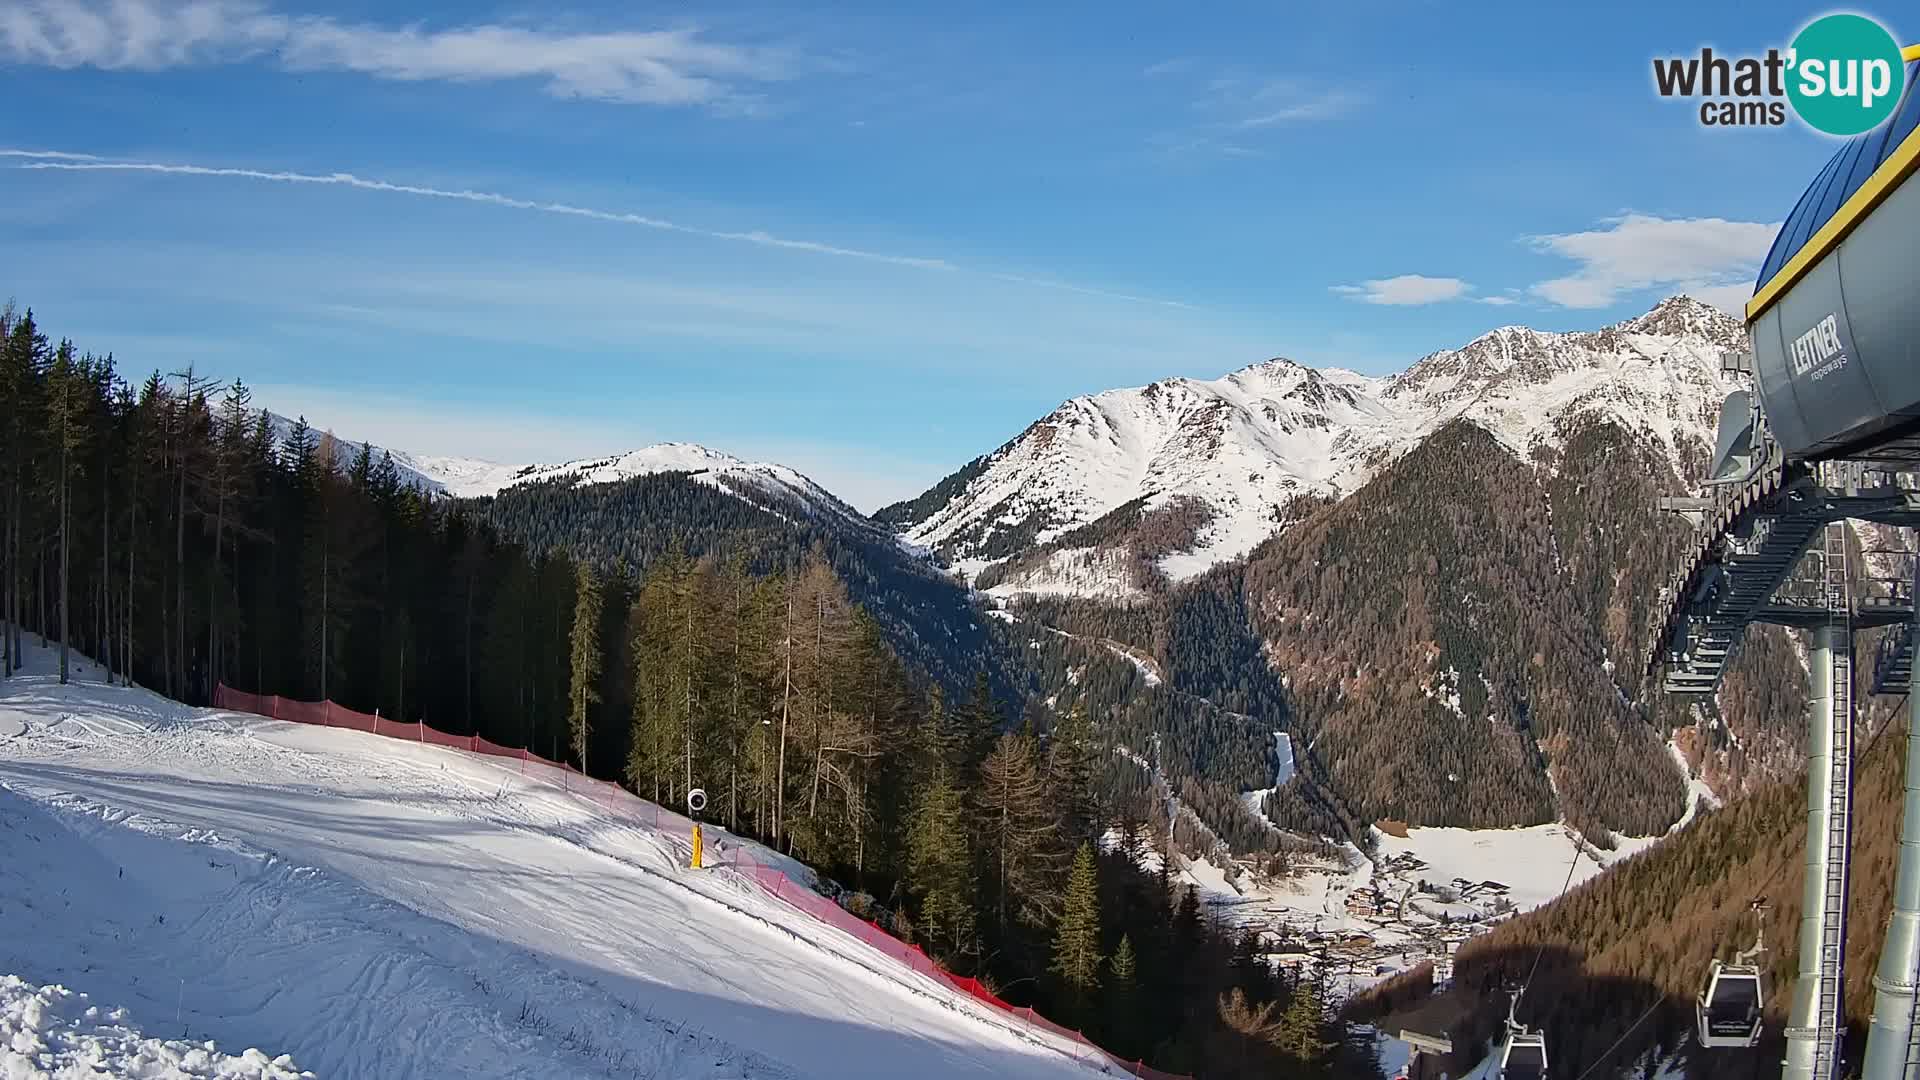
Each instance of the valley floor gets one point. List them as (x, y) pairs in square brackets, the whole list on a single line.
[(371, 907)]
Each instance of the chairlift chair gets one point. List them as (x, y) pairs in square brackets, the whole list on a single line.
[(1729, 1009), (1523, 1055)]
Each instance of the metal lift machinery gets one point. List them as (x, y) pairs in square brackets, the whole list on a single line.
[(1829, 433)]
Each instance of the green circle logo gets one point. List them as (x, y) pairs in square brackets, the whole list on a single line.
[(1845, 74)]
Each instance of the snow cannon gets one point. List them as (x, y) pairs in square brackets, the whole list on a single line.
[(696, 803)]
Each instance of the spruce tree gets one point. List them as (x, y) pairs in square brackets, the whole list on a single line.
[(979, 725), (1072, 767), (1302, 1033), (1076, 943), (940, 868), (68, 429), (1122, 987), (586, 660)]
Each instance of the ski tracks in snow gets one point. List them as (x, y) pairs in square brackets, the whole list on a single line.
[(380, 908)]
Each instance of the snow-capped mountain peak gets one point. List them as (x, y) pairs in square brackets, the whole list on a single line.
[(757, 482), (767, 485), (1243, 447)]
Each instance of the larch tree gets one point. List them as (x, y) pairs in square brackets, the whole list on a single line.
[(1019, 839)]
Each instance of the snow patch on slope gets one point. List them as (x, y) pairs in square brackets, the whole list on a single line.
[(51, 1032)]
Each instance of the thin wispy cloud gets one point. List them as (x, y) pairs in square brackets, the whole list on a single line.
[(1313, 107), (673, 67), (1235, 110), (1712, 258), (86, 163)]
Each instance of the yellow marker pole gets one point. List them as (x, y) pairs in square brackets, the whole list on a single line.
[(696, 845)]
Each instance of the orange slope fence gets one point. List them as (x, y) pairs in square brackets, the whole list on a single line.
[(769, 878)]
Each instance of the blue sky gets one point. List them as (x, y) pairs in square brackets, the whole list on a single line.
[(868, 240)]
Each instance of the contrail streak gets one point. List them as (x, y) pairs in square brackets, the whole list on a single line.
[(71, 162)]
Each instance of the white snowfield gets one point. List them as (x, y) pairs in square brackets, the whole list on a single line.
[(51, 1031), (375, 908)]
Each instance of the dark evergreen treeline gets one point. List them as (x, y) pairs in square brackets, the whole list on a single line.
[(165, 530), (926, 617)]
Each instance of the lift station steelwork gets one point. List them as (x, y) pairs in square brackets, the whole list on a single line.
[(1829, 433)]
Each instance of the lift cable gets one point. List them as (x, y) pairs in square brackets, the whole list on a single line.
[(1608, 1052), (1893, 721), (1542, 951)]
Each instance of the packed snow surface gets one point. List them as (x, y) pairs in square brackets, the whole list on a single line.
[(373, 907), (53, 1032)]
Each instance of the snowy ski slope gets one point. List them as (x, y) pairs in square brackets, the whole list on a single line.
[(375, 908)]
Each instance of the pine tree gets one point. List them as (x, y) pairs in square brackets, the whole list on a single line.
[(1122, 1004), (940, 868), (979, 725), (66, 384), (228, 484), (586, 660), (1302, 1032), (1072, 767), (1076, 942)]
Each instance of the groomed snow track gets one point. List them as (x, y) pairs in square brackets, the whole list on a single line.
[(377, 908)]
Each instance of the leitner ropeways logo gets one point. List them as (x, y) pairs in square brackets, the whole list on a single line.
[(1842, 75)]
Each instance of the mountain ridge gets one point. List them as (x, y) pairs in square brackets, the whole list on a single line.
[(1247, 444), (765, 485)]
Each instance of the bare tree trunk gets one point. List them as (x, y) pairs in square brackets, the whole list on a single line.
[(688, 625), (213, 582), (824, 717), (180, 556), (8, 662), (325, 613), (786, 699), (133, 545), (104, 622), (472, 572), (65, 589), (733, 710)]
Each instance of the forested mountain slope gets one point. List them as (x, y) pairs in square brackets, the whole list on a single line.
[(1641, 936), (634, 521)]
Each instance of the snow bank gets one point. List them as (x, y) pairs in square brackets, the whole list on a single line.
[(51, 1031)]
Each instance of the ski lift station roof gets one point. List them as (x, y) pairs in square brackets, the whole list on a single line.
[(1846, 173), (1833, 323)]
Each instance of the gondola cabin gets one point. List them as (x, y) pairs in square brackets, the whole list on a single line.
[(1729, 1008)]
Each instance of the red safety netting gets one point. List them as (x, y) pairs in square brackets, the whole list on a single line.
[(630, 807)]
